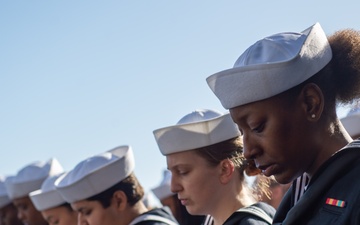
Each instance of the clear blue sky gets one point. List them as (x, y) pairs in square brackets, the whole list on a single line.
[(81, 77)]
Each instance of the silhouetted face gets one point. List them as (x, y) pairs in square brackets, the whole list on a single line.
[(27, 213), (8, 215), (61, 215), (278, 136), (195, 182)]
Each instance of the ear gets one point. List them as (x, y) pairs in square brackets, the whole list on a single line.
[(312, 101), (119, 200), (227, 170)]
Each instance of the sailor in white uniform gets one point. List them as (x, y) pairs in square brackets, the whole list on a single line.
[(104, 190)]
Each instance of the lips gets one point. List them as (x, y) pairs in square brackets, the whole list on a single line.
[(267, 170), (183, 201)]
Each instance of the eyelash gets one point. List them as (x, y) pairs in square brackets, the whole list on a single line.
[(86, 213), (181, 173), (23, 207), (259, 128)]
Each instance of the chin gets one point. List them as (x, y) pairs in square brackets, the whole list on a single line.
[(283, 179), (193, 211)]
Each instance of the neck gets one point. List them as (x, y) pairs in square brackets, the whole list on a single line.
[(134, 211), (230, 203), (336, 138)]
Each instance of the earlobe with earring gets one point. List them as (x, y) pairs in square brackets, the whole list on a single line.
[(313, 116)]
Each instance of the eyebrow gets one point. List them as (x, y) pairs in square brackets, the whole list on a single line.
[(177, 166)]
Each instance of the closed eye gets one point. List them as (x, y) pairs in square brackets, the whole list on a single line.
[(259, 128), (182, 172)]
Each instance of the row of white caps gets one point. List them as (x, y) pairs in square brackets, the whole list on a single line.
[(49, 186), (28, 179)]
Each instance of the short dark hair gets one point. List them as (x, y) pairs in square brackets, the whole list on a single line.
[(130, 186)]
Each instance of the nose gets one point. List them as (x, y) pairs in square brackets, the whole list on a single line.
[(20, 215), (175, 184), (80, 220), (251, 149)]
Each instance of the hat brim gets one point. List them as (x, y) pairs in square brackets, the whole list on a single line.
[(246, 84)]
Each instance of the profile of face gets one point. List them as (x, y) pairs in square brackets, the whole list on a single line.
[(60, 215), (8, 215), (195, 181), (93, 213), (277, 136), (27, 212)]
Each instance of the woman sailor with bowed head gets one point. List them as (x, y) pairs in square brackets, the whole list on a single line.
[(104, 190), (205, 156), (282, 93), (54, 209)]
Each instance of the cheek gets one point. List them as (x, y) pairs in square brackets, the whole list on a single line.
[(102, 217), (67, 220), (202, 182)]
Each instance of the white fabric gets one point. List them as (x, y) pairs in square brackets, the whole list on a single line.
[(47, 196), (300, 186), (164, 189), (96, 174), (257, 212), (148, 217), (4, 197), (204, 129), (31, 177), (272, 66), (352, 122)]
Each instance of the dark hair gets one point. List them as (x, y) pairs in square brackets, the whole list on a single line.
[(130, 186), (339, 80), (232, 149)]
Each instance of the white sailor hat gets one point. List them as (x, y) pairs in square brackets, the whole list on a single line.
[(47, 197), (271, 66), (96, 174), (31, 177), (4, 197), (352, 122), (164, 189), (198, 129)]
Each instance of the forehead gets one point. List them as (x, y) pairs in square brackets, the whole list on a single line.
[(269, 105), (180, 158), (22, 200), (242, 113), (56, 210), (83, 204)]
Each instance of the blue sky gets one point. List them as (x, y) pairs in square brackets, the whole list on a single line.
[(78, 78)]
